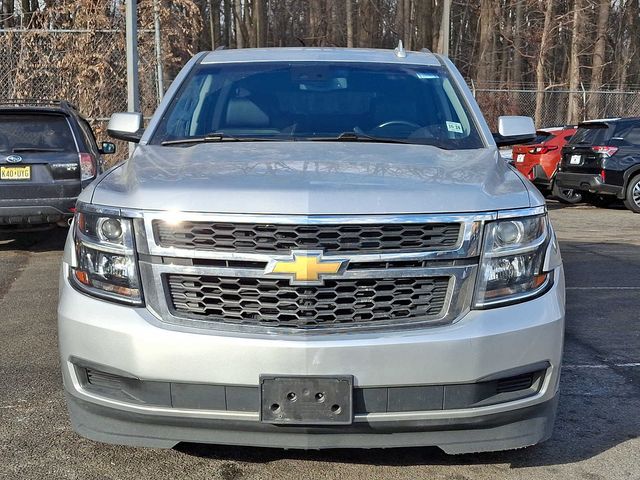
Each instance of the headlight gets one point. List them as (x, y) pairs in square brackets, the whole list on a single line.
[(106, 261), (512, 263)]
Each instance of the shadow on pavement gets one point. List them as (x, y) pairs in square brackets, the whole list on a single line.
[(553, 204), (36, 240)]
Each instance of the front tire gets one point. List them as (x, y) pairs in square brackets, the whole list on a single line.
[(632, 197), (566, 195)]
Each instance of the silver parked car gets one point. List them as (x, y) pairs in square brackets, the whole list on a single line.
[(314, 248)]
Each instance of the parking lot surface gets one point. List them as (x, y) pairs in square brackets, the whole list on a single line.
[(596, 435)]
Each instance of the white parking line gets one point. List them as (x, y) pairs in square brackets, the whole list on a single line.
[(620, 365), (603, 288)]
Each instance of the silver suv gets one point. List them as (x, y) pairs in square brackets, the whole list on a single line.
[(313, 248)]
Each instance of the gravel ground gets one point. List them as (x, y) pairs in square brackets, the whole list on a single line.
[(596, 436)]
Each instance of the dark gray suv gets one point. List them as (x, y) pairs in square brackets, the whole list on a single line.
[(48, 154)]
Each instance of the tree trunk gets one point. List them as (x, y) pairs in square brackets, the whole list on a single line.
[(350, 23), (597, 64), (261, 22), (365, 25), (542, 57), (485, 53), (574, 110), (27, 11), (517, 42), (215, 5), (457, 50), (7, 13), (228, 25), (242, 32), (406, 23)]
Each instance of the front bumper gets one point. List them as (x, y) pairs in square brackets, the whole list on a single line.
[(36, 211), (587, 182), (478, 346)]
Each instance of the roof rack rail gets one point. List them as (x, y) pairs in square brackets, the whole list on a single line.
[(425, 50), (37, 102), (221, 47)]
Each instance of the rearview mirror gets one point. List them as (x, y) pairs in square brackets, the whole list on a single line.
[(126, 126), (108, 148), (513, 130)]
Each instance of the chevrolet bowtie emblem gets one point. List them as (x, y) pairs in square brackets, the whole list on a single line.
[(306, 267)]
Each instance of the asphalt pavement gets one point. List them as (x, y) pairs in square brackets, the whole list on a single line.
[(596, 435)]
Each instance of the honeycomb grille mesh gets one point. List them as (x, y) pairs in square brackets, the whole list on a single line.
[(281, 239), (275, 303)]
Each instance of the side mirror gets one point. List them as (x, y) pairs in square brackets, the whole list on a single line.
[(126, 126), (108, 148), (514, 130)]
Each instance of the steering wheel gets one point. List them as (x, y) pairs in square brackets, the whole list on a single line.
[(398, 122)]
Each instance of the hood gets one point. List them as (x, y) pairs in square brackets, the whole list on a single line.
[(312, 178)]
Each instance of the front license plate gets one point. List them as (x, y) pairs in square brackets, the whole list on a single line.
[(15, 173), (306, 400), (575, 159), (520, 158)]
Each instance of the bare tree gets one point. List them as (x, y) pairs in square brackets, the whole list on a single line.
[(597, 64), (487, 46), (517, 41), (542, 57), (261, 22), (349, 23), (574, 110)]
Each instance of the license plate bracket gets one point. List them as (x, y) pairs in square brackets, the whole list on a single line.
[(306, 400), (22, 172)]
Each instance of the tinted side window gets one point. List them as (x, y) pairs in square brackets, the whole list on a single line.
[(630, 135), (88, 135), (24, 132)]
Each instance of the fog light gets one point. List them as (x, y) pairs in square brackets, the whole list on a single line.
[(111, 229)]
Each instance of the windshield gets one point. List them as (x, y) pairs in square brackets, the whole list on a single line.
[(21, 132), (595, 134), (320, 101)]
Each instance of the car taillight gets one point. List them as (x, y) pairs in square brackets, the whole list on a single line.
[(603, 175), (543, 150), (605, 151), (87, 166)]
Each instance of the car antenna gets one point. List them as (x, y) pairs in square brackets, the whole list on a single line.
[(400, 51)]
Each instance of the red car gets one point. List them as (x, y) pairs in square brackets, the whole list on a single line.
[(538, 161)]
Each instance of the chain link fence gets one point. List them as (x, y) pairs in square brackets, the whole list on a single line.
[(555, 104), (86, 67)]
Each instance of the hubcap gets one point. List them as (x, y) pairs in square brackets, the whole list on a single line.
[(636, 194)]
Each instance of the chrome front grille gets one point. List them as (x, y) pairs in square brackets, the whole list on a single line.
[(282, 238), (276, 303), (215, 271)]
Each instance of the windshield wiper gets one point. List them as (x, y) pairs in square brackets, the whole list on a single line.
[(357, 137), (36, 149), (363, 137), (215, 137)]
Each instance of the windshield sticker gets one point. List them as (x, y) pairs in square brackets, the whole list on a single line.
[(455, 127)]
